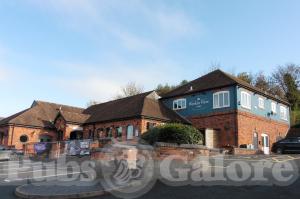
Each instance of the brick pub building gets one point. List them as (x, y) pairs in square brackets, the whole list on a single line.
[(227, 110), (230, 111)]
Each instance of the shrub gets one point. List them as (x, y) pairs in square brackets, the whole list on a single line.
[(173, 133)]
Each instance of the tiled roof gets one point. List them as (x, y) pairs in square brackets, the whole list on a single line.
[(141, 105), (73, 117), (40, 114), (213, 80)]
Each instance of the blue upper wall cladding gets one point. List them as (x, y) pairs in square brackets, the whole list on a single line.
[(264, 112), (202, 103)]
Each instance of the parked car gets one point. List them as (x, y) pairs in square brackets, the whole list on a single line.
[(287, 145)]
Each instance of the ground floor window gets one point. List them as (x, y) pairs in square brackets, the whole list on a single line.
[(150, 125), (119, 132), (108, 132), (23, 138), (129, 132), (136, 132), (100, 132)]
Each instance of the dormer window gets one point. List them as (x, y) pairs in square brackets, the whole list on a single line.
[(179, 104)]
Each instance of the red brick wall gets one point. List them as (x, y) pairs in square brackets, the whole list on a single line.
[(15, 132), (140, 124), (249, 123), (4, 135), (240, 127), (66, 128), (225, 123)]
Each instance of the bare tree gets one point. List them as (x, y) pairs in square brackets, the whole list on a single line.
[(247, 77), (130, 89), (262, 82), (92, 102), (214, 66)]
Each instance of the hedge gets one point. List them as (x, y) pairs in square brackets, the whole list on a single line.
[(173, 133)]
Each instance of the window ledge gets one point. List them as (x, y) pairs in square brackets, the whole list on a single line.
[(245, 107), (221, 107), (175, 109)]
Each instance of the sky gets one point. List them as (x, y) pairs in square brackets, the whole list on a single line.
[(74, 51)]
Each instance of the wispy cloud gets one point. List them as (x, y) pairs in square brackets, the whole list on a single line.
[(129, 21), (135, 28), (95, 81)]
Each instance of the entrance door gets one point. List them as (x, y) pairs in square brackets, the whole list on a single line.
[(76, 135), (265, 144)]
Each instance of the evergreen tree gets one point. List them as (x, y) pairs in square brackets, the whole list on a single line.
[(292, 92)]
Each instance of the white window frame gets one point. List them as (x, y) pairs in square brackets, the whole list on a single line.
[(261, 103), (283, 110), (129, 132), (181, 101), (274, 107), (216, 104), (248, 100)]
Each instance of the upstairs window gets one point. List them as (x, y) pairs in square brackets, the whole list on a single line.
[(245, 100), (261, 103), (221, 99), (273, 107), (283, 112), (179, 104)]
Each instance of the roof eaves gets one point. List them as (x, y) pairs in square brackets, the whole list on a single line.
[(198, 90)]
